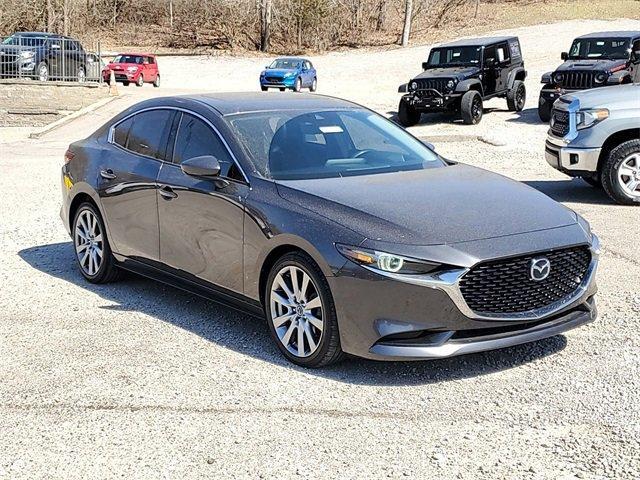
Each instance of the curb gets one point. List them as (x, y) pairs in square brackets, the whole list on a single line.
[(63, 121)]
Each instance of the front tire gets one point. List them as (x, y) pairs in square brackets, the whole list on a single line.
[(300, 312), (544, 110), (407, 115), (42, 72), (263, 88), (620, 173), (156, 82), (140, 81), (91, 245), (471, 108), (298, 85), (517, 96)]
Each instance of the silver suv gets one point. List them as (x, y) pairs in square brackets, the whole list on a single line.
[(595, 134)]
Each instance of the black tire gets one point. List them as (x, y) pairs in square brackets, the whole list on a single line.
[(282, 89), (328, 349), (156, 82), (314, 85), (593, 181), (471, 108), (108, 270), (125, 83), (407, 115), (544, 109), (140, 81), (263, 88), (516, 96), (298, 85), (609, 172)]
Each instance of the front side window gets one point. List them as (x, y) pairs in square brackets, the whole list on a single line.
[(195, 138), (319, 144), (593, 48), (147, 134), (451, 56)]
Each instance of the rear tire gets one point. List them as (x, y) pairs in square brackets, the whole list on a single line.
[(471, 108), (298, 85), (303, 325), (622, 167), (544, 110), (91, 245), (314, 85), (156, 82), (517, 96), (407, 115)]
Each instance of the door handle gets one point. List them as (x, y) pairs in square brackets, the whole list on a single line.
[(107, 174), (167, 192)]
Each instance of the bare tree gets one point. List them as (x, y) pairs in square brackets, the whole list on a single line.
[(265, 24), (406, 30)]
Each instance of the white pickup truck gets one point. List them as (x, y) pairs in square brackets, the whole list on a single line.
[(595, 134)]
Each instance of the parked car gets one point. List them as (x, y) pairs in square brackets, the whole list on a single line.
[(346, 232), (595, 135), (42, 56), (138, 68), (289, 73), (594, 60), (95, 66), (460, 75)]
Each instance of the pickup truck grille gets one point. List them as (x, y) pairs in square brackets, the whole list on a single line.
[(578, 80), (559, 122)]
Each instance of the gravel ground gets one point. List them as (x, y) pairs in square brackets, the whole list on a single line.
[(138, 380)]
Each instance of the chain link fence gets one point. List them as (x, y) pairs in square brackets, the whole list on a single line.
[(50, 57)]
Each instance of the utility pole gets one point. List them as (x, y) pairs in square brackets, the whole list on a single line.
[(406, 31), (171, 14)]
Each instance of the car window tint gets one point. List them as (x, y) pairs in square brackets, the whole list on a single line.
[(147, 133), (196, 138), (121, 131), (151, 60)]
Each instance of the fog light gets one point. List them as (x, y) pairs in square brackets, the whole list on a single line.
[(573, 158)]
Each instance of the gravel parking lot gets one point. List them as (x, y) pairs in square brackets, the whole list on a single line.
[(138, 380)]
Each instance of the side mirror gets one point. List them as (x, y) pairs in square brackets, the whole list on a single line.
[(430, 146), (203, 166), (404, 88), (564, 56), (635, 55), (425, 65)]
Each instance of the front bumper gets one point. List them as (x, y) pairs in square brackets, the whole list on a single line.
[(552, 94), (569, 160), (384, 318), (434, 102), (287, 82)]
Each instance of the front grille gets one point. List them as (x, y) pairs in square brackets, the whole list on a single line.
[(506, 287), (559, 122), (427, 84), (273, 79), (578, 80)]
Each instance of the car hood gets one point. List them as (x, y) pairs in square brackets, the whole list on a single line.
[(595, 65), (434, 206), (450, 72), (16, 49), (616, 97), (279, 71)]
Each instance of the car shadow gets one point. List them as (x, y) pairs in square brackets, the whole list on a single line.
[(574, 190), (528, 116), (249, 335)]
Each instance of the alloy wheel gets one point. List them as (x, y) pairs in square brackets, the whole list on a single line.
[(89, 243), (43, 73), (81, 75), (629, 175), (476, 108), (520, 97), (296, 311)]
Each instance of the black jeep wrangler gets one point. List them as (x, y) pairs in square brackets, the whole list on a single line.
[(594, 60), (460, 75)]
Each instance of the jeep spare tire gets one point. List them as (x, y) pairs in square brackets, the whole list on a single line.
[(471, 107), (407, 115)]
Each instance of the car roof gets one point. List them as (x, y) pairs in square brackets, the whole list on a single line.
[(476, 42), (292, 58), (132, 54), (618, 33), (37, 34), (244, 102)]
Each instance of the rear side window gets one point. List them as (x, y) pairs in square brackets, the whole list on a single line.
[(196, 138), (147, 133), (121, 132)]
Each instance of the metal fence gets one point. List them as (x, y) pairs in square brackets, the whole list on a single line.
[(50, 57)]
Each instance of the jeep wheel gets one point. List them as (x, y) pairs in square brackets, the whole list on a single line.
[(621, 173), (544, 110), (516, 96), (471, 108), (407, 115)]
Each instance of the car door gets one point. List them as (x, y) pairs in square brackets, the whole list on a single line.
[(310, 73), (152, 69), (201, 219), (503, 60), (127, 182), (54, 57), (489, 62)]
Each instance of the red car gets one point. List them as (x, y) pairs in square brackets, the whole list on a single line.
[(139, 68)]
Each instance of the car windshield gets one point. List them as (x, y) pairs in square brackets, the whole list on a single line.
[(24, 40), (292, 145), (128, 59), (590, 48), (447, 56), (286, 63)]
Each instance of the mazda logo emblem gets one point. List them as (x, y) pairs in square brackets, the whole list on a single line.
[(540, 269)]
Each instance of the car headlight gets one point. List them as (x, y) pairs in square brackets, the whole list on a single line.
[(132, 69), (451, 84), (386, 262), (558, 77), (414, 86), (27, 55), (600, 77), (588, 118)]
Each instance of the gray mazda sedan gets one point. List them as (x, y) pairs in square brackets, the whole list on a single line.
[(349, 234)]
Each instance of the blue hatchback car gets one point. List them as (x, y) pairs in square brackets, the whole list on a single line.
[(289, 72)]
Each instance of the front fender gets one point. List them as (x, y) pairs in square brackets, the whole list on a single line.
[(546, 78), (469, 84), (404, 88), (619, 77)]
